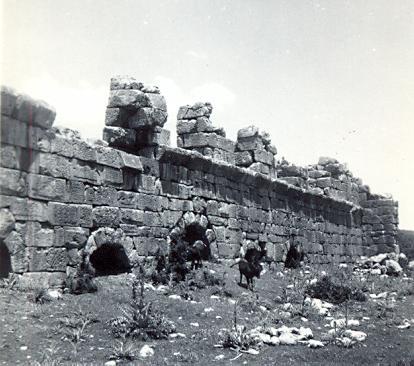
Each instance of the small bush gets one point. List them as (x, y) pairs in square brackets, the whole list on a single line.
[(139, 319), (123, 351), (330, 289)]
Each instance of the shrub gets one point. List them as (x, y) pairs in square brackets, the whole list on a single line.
[(139, 319), (333, 289)]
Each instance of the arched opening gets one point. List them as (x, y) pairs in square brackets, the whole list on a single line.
[(110, 259), (5, 261), (194, 232)]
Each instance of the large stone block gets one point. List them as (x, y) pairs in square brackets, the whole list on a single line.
[(14, 132), (125, 82), (149, 246), (74, 237), (264, 157), (108, 156), (38, 236), (8, 100), (50, 259), (119, 137), (41, 280), (83, 172), (105, 216), (186, 126), (117, 117), (131, 216), (157, 101), (148, 117), (250, 143), (46, 188), (7, 222), (63, 214), (129, 99), (13, 182), (17, 250), (51, 165), (10, 157), (83, 151), (195, 111), (243, 158)]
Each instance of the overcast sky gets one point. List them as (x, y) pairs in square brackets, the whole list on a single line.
[(325, 78)]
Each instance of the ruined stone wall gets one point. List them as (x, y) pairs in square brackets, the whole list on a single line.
[(61, 195)]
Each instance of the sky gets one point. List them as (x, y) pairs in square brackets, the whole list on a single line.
[(324, 78)]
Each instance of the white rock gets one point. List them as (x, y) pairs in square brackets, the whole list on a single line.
[(23, 348), (219, 357), (288, 339), (353, 323), (346, 342), (55, 294), (208, 310), (274, 341), (110, 363), (175, 297), (177, 335), (411, 265), (375, 271), (338, 323), (356, 335), (315, 344), (146, 351), (194, 324), (265, 338), (214, 297), (251, 351), (304, 319), (393, 268), (162, 288), (287, 306), (313, 281), (343, 265), (405, 325), (305, 333), (149, 286), (272, 331)]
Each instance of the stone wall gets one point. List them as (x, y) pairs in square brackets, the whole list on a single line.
[(62, 196)]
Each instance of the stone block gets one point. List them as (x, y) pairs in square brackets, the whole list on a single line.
[(149, 246), (105, 216), (243, 158), (41, 280), (8, 100), (14, 132), (250, 143), (75, 192), (131, 216), (195, 111), (129, 99), (74, 237), (157, 101), (38, 236), (17, 250), (44, 115), (7, 222), (226, 250), (52, 165), (203, 124), (147, 117), (13, 182), (117, 117), (186, 126), (131, 161), (125, 82), (260, 168), (63, 214), (10, 157), (101, 196), (111, 176), (50, 259), (46, 188), (108, 156), (272, 149), (119, 137), (83, 172), (264, 157), (61, 145), (149, 137), (248, 132)]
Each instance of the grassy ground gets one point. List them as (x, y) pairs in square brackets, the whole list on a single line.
[(39, 333)]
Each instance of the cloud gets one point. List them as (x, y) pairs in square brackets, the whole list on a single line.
[(196, 54), (217, 94), (80, 107)]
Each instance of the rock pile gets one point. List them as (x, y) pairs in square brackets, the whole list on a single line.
[(135, 116), (195, 131), (255, 151)]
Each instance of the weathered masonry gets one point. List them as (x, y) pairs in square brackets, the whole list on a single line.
[(116, 200)]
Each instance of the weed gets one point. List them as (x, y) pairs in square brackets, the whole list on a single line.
[(139, 319), (123, 351)]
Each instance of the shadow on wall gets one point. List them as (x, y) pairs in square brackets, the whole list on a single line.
[(110, 259), (5, 261)]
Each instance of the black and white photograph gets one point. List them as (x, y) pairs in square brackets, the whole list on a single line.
[(207, 182)]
